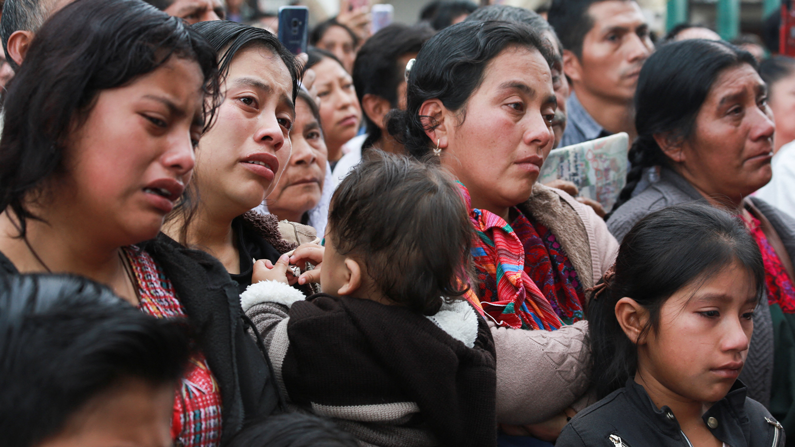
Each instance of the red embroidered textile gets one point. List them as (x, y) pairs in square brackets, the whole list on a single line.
[(779, 286), (525, 278), (196, 420)]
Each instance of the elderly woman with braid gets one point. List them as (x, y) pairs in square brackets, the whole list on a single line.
[(480, 102), (704, 122)]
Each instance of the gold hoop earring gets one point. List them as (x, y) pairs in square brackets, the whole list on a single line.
[(437, 150)]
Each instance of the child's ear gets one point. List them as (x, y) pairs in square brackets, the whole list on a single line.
[(353, 278), (633, 318)]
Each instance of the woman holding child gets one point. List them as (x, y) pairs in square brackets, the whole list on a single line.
[(480, 102)]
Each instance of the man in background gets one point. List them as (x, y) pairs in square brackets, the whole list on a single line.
[(606, 43)]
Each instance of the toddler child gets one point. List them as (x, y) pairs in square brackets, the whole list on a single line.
[(670, 330), (389, 351)]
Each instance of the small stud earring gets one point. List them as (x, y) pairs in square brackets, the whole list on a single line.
[(437, 150)]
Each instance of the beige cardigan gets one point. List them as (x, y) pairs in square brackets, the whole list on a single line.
[(541, 373)]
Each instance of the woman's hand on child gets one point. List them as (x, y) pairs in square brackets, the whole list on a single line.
[(265, 270), (313, 254)]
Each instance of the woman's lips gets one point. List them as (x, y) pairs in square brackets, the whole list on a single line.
[(531, 163), (262, 164), (348, 121), (163, 193), (305, 181)]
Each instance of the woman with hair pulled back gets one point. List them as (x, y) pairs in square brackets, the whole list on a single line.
[(670, 329), (480, 102), (101, 123), (703, 121)]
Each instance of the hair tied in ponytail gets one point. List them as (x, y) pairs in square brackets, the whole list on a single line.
[(606, 279)]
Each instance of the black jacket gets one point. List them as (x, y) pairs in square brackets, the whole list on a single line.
[(628, 418), (212, 303)]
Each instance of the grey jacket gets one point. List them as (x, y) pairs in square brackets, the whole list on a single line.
[(673, 189)]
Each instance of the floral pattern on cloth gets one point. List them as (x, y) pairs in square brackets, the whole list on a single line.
[(530, 285), (779, 286), (196, 420)]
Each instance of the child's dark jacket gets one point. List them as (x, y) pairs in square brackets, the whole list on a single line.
[(386, 374), (628, 418)]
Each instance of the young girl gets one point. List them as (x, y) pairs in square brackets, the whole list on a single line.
[(387, 351), (670, 330)]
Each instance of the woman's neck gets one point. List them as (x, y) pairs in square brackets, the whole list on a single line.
[(734, 204), (59, 245), (334, 151), (284, 214), (208, 232)]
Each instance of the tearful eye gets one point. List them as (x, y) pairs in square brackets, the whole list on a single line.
[(286, 123), (156, 121), (549, 118), (247, 100)]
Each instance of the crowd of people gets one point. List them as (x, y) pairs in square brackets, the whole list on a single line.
[(207, 240)]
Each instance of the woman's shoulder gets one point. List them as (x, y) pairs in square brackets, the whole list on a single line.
[(670, 190)]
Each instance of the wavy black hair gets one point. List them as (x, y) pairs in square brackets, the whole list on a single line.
[(673, 85), (87, 47), (450, 67), (407, 224), (65, 340), (664, 252)]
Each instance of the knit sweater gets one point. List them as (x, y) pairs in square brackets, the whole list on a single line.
[(386, 374), (541, 373)]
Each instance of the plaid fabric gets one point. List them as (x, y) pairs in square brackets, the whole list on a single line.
[(529, 285), (196, 420), (778, 284)]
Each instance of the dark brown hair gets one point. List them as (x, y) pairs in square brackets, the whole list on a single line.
[(408, 225)]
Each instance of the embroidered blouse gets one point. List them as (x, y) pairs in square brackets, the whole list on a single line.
[(196, 421), (778, 284), (525, 277)]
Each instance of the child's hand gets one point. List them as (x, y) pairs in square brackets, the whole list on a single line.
[(313, 254), (264, 270)]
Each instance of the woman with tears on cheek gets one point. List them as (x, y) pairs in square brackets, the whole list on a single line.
[(670, 330), (101, 123), (240, 159)]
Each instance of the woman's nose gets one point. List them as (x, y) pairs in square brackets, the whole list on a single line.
[(180, 157), (270, 132), (302, 152)]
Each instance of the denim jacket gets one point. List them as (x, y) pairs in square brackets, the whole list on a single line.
[(628, 418)]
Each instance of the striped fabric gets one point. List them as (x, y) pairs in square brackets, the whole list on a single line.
[(196, 420), (529, 285)]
